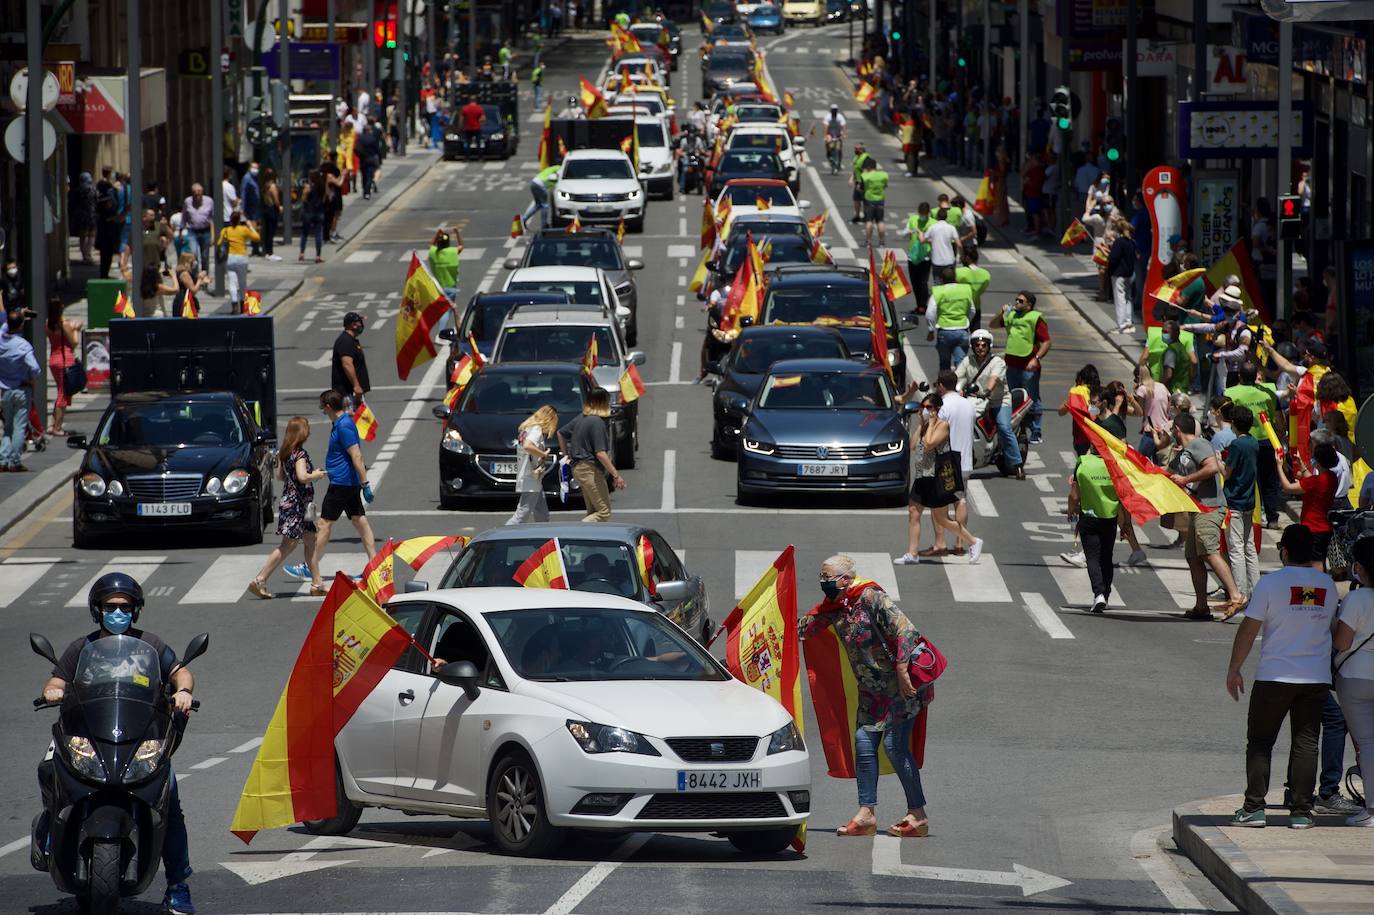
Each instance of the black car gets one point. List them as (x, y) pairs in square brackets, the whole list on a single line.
[(721, 11), (483, 316), (725, 66), (477, 449), (166, 460), (836, 10), (746, 163), (500, 137), (746, 365)]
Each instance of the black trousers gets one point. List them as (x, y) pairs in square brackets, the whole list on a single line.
[(1270, 703), (920, 284), (1270, 492), (1099, 539)]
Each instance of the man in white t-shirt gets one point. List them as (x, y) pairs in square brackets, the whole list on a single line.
[(1293, 608), (957, 410), (943, 239)]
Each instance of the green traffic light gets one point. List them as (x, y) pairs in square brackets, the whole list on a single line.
[(962, 62), (1064, 123), (896, 36), (1113, 154), (391, 44)]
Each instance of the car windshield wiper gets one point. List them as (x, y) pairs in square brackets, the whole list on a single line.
[(550, 679)]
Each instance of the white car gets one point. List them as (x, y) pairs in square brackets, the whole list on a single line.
[(564, 709), (655, 156), (598, 186), (770, 136), (583, 285), (745, 193)]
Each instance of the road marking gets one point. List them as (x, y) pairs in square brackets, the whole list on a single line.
[(493, 166), (347, 563), (363, 256), (424, 392), (887, 862), (981, 585), (914, 371), (633, 250), (1065, 577), (1035, 462), (670, 422), (682, 227), (211, 762), (675, 364), (669, 501), (1177, 580), (1154, 860), (979, 499), (1042, 481), (679, 322), (687, 251), (224, 582), (1055, 506), (836, 217), (996, 255), (138, 567), (14, 846), (1069, 458), (23, 573), (1043, 617), (593, 878), (247, 745)]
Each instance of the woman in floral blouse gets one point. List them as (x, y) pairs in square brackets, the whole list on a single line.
[(879, 640)]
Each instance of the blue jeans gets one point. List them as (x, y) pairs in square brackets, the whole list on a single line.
[(14, 414), (896, 740), (951, 346), (1147, 446), (202, 240), (1030, 381), (1333, 747), (1010, 449), (176, 847), (539, 205)]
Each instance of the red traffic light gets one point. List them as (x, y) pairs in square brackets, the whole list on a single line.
[(1290, 207)]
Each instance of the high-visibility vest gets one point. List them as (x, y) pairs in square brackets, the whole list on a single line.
[(1096, 494), (1155, 348), (1021, 332), (952, 304)]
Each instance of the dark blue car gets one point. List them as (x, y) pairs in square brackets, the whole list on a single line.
[(766, 17)]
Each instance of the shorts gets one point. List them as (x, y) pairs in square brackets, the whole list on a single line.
[(1204, 534), (1321, 544), (858, 192), (1031, 205), (873, 212), (342, 500), (923, 493)]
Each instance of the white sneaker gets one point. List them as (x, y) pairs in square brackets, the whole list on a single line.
[(1128, 329), (274, 257), (907, 559), (975, 551), (1099, 604), (1363, 819), (1075, 559), (1137, 558)]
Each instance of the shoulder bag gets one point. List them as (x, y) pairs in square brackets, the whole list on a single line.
[(1337, 668), (949, 477), (73, 379)]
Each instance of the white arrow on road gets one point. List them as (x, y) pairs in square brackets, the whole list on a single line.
[(299, 862), (887, 862), (317, 363)]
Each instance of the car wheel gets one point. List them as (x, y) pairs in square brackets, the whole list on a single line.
[(719, 450), (763, 841), (636, 225), (80, 539), (625, 452), (672, 191), (515, 807), (252, 529), (448, 503), (344, 819)]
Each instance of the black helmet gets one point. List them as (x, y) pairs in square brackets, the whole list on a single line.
[(107, 586)]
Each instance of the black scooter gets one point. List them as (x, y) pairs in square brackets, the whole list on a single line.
[(695, 166), (106, 780)]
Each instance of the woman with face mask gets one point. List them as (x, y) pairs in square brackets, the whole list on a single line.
[(931, 437), (1353, 639)]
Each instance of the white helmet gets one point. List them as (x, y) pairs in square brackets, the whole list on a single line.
[(985, 336)]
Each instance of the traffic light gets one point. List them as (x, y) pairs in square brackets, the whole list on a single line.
[(384, 34), (1290, 216), (1061, 108), (962, 62), (1112, 141)]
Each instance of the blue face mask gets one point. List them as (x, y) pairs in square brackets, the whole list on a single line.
[(117, 621), (1168, 339)]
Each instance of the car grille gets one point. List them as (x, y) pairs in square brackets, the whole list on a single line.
[(814, 452), (164, 487), (747, 805), (487, 461), (598, 198), (699, 749)]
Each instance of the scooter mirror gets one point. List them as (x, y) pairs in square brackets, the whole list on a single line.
[(195, 649), (42, 647)]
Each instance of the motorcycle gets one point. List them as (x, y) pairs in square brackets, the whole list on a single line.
[(695, 168), (107, 775), (987, 446)]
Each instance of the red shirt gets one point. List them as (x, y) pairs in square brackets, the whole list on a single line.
[(472, 115), (1042, 333), (1318, 494)]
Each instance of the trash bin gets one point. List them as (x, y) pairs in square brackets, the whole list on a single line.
[(100, 301)]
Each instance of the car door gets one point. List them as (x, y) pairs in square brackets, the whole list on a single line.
[(442, 748), (367, 745)]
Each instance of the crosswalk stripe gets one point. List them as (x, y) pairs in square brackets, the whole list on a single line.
[(979, 499), (348, 563), (140, 568), (365, 256), (981, 584), (1071, 581), (996, 256), (493, 166), (637, 251), (750, 565), (225, 581), (20, 574), (839, 251), (1174, 574)]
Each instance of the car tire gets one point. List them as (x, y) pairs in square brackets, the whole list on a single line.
[(763, 841), (346, 817), (448, 503), (105, 866), (625, 452), (672, 190), (721, 451), (515, 806), (80, 539), (252, 528)]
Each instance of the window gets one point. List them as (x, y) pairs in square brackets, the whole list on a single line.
[(410, 615), (455, 638), (172, 424), (522, 393), (556, 343), (580, 291), (826, 391), (667, 567), (578, 169), (586, 251), (599, 566)]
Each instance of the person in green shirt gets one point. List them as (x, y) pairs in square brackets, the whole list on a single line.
[(443, 260), (1096, 506), (503, 57), (622, 19), (856, 181), (537, 81), (918, 254), (874, 181), (541, 189), (977, 279)]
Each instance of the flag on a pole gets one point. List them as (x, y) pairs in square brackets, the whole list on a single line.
[(708, 224), (546, 137), (517, 226), (631, 387), (746, 292), (1171, 291), (788, 100), (865, 92), (349, 648), (1237, 262), (423, 304), (819, 253), (544, 568), (816, 224), (762, 203), (123, 307), (620, 231), (699, 275), (877, 325), (893, 278), (377, 576), (379, 573), (1075, 233), (589, 357), (1142, 486), (593, 103), (644, 558), (366, 422), (575, 226)]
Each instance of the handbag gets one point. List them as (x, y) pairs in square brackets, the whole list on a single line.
[(949, 477), (73, 379), (927, 663)]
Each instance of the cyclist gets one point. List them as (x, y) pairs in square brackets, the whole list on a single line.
[(835, 134)]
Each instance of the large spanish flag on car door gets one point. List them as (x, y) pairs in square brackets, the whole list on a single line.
[(350, 647)]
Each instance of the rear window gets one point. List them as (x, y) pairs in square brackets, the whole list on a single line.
[(753, 161), (650, 135), (554, 343), (773, 141), (757, 353), (588, 292), (484, 319), (786, 249), (575, 251), (748, 195)]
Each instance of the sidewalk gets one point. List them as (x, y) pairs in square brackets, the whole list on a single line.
[(1278, 870), (52, 468)]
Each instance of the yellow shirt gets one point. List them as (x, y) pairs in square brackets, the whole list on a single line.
[(237, 238)]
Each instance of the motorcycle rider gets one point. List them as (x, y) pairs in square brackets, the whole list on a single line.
[(836, 131), (572, 112), (687, 144), (115, 600), (983, 374)]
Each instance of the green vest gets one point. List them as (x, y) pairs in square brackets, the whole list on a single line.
[(977, 279), (954, 216), (857, 166), (1021, 332), (1154, 347), (952, 303), (875, 185), (548, 176), (1096, 494), (1254, 397), (917, 251), (443, 263)]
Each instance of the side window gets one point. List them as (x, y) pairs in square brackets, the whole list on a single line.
[(667, 567), (411, 616), (455, 638)]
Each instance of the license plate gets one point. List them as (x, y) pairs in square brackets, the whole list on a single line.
[(823, 470), (502, 468), (599, 211), (719, 779), (163, 509)]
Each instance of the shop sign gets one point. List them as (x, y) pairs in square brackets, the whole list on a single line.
[(1154, 59), (1226, 70), (1217, 214), (1241, 129)]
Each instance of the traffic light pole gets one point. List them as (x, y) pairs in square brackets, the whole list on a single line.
[(987, 84), (1285, 163), (284, 40), (34, 170), (1132, 97)]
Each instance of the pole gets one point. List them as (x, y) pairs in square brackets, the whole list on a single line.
[(1285, 164), (1023, 14), (333, 86), (988, 93), (849, 24), (133, 122), (453, 32), (398, 78), (472, 39), (370, 49), (930, 51), (411, 60), (1132, 61), (431, 46), (33, 162), (217, 142), (1199, 49), (284, 47), (1065, 137)]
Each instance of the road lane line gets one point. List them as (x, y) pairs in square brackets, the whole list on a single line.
[(1042, 481), (1066, 577), (424, 392), (837, 218), (675, 364), (682, 226), (679, 322), (1174, 575), (211, 762), (979, 499), (14, 846), (669, 500), (139, 567), (593, 878), (22, 573), (1046, 619), (247, 745), (670, 421), (363, 256), (980, 584)]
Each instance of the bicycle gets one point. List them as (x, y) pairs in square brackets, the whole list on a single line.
[(834, 152)]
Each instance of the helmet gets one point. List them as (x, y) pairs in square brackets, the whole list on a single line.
[(983, 335), (107, 586), (834, 107), (572, 100)]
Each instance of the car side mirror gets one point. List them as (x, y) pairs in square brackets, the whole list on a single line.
[(42, 647), (672, 590), (462, 674), (637, 357), (415, 586), (803, 204), (448, 333), (910, 407), (440, 411), (908, 321), (511, 263), (265, 437), (76, 440), (713, 367), (634, 263)]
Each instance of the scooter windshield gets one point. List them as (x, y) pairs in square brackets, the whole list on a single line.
[(118, 667)]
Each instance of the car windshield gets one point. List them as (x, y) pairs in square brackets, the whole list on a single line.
[(512, 392), (818, 304), (723, 9), (492, 121), (631, 103), (762, 113), (722, 60), (758, 352), (171, 424), (599, 566), (647, 32), (774, 141), (650, 134), (786, 249), (599, 643), (825, 390), (555, 343), (118, 666), (730, 33), (751, 162), (597, 168), (779, 195), (586, 292), (574, 251)]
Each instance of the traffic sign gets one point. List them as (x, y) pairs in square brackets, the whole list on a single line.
[(309, 60), (19, 89), (15, 135)]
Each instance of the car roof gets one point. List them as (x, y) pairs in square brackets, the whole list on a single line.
[(483, 601), (518, 297), (802, 366), (613, 531), (757, 127), (554, 273), (595, 154), (759, 217), (756, 182), (832, 277), (790, 330), (551, 232), (579, 313), (132, 397), (522, 368)]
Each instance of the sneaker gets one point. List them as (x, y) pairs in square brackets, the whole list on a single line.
[(177, 900), (274, 257), (975, 551), (1036, 439), (907, 559), (1099, 604), (1075, 558), (1137, 558), (300, 571), (1364, 819), (1298, 821), (1128, 329), (1245, 817), (1336, 803)]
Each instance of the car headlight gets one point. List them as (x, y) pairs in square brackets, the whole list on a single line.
[(452, 137), (885, 448), (636, 193), (893, 355), (92, 484), (602, 738), (758, 447), (785, 739), (664, 167), (236, 481), (213, 486), (453, 441), (116, 488), (144, 761), (498, 136), (563, 195), (83, 759)]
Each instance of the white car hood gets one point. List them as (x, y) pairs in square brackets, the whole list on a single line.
[(664, 708), (598, 185)]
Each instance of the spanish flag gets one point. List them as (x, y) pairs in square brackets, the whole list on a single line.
[(467, 366), (423, 304), (723, 212), (589, 357), (1100, 253), (865, 92), (517, 226), (123, 307), (365, 421), (379, 573), (1075, 233), (575, 226), (819, 253), (708, 224), (877, 325), (699, 275), (1358, 471), (746, 292), (592, 101), (620, 231), (762, 203), (544, 568), (562, 149), (1237, 262), (350, 647), (1301, 406), (707, 24), (788, 100), (1142, 486), (631, 387), (252, 302), (644, 558), (190, 308), (907, 133), (893, 278), (1171, 291), (816, 224), (546, 139)]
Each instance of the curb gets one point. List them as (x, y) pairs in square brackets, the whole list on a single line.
[(1199, 836)]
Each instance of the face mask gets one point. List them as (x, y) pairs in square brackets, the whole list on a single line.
[(1093, 411), (253, 171), (117, 621), (12, 272), (831, 589), (1168, 339)]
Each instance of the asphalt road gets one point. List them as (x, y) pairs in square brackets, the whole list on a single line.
[(1058, 744)]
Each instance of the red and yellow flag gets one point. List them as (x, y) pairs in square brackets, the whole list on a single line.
[(762, 203), (819, 253), (546, 138), (379, 573), (190, 308), (699, 275), (544, 568), (1172, 289), (252, 302), (708, 224), (123, 307), (562, 149), (865, 92), (1075, 233), (723, 212), (620, 231), (1301, 406), (575, 226), (1237, 262), (378, 580), (787, 99), (631, 387), (893, 278), (877, 325), (1142, 486), (350, 647), (589, 357), (592, 101), (816, 224), (423, 304), (517, 226), (467, 366), (366, 422), (746, 292), (644, 558)]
